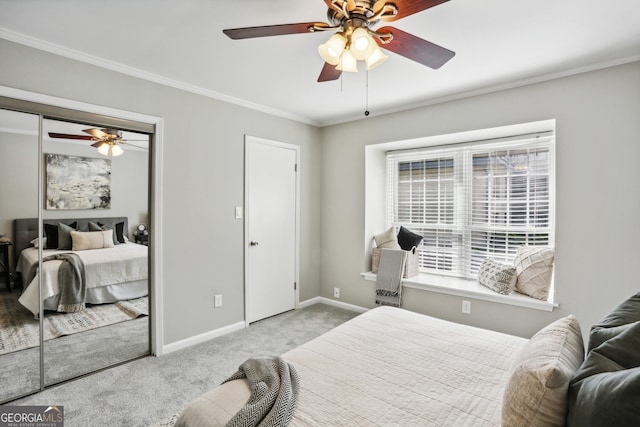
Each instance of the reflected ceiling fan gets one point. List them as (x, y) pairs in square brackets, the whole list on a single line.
[(355, 38), (107, 140)]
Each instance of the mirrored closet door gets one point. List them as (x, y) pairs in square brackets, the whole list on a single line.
[(78, 231), (95, 185), (19, 330)]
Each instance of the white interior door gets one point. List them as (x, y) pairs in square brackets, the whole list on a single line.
[(271, 228)]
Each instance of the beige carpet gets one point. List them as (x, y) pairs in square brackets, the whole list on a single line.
[(19, 330)]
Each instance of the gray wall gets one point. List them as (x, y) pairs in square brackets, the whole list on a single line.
[(203, 181), (597, 138), (19, 181), (597, 154)]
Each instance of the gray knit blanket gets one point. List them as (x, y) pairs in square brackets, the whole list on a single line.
[(274, 386), (389, 277), (72, 280)]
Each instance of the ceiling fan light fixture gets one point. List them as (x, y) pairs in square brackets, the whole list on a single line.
[(332, 49), (116, 150), (112, 148), (348, 62), (376, 58), (362, 45), (104, 148), (356, 39)]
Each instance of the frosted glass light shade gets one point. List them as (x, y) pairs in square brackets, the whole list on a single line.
[(332, 49), (362, 45), (347, 63), (103, 149), (376, 58), (116, 150)]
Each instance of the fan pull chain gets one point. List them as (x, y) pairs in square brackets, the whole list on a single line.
[(366, 96)]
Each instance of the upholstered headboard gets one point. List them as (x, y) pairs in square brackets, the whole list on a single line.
[(26, 229)]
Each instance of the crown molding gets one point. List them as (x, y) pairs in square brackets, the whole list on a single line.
[(56, 49), (155, 78), (492, 88)]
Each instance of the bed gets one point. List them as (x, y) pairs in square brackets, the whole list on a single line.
[(392, 367), (112, 274)]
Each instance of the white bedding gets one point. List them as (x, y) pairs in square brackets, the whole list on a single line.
[(105, 269), (388, 367)]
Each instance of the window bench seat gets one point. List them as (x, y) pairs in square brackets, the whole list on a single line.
[(467, 288)]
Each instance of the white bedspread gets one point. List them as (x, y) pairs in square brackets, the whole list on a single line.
[(127, 262), (392, 367)]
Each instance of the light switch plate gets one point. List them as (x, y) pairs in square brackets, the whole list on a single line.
[(466, 307), (238, 212)]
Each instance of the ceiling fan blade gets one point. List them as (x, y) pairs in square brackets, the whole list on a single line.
[(406, 7), (69, 136), (272, 30), (415, 48), (328, 73), (97, 144), (97, 133)]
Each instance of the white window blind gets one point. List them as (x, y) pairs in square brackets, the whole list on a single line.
[(474, 200)]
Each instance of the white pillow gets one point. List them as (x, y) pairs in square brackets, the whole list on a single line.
[(85, 240), (497, 276), (534, 265), (387, 240), (536, 394), (34, 242)]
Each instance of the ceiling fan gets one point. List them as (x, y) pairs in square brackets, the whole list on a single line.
[(107, 140), (356, 39)]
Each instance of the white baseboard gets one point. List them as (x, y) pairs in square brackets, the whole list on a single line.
[(197, 339), (309, 302), (335, 303)]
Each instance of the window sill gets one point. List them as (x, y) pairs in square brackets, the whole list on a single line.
[(467, 288)]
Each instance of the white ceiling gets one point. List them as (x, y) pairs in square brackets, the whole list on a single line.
[(498, 44)]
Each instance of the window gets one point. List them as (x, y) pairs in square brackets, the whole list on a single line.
[(474, 200)]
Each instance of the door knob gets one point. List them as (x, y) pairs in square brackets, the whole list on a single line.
[(253, 243)]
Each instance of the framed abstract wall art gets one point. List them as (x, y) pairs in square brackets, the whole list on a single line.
[(77, 182)]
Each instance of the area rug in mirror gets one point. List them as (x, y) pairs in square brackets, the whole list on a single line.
[(19, 329)]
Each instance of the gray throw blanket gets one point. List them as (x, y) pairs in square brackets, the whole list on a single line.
[(71, 279), (389, 277), (274, 386)]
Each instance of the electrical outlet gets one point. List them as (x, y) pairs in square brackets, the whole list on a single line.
[(336, 292), (217, 301), (466, 307)]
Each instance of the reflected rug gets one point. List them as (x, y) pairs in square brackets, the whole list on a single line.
[(19, 329), (166, 422)]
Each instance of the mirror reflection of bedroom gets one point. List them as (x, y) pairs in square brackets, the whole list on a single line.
[(83, 284)]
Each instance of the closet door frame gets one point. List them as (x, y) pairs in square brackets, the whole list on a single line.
[(62, 109)]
